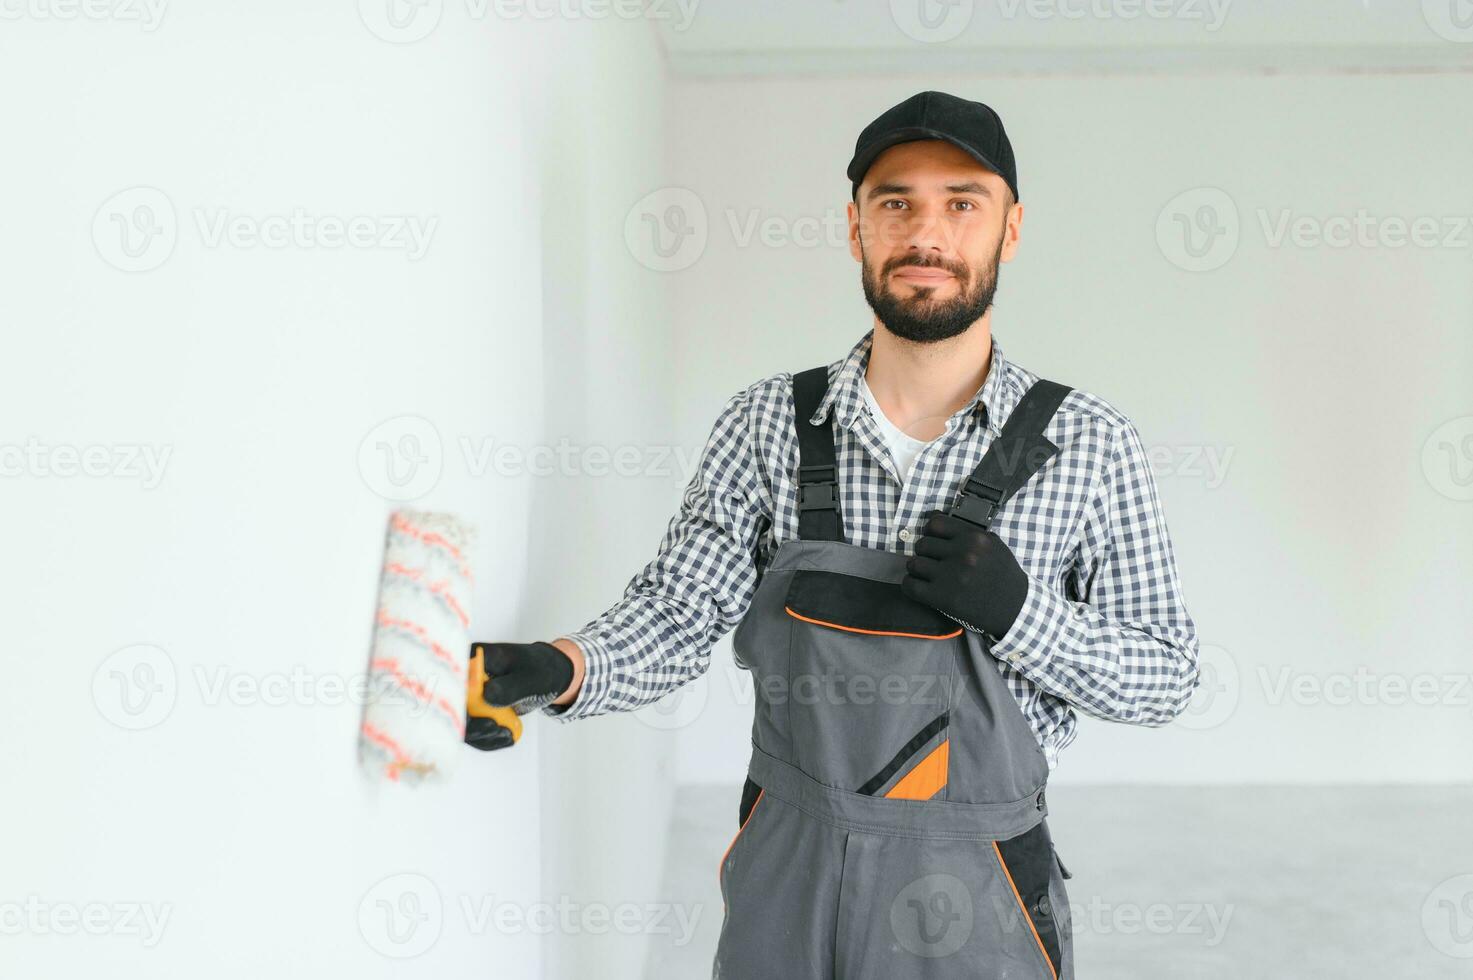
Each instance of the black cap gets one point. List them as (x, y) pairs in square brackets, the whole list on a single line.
[(972, 126)]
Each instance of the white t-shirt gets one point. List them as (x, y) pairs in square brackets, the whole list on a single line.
[(903, 449)]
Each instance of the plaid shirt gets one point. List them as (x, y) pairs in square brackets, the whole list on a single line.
[(1103, 629)]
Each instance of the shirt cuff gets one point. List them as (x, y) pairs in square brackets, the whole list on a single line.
[(595, 681), (1038, 630)]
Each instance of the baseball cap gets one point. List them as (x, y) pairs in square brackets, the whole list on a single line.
[(972, 126)]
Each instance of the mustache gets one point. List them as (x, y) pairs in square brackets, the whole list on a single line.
[(919, 263)]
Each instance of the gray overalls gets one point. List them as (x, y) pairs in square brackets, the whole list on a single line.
[(892, 823)]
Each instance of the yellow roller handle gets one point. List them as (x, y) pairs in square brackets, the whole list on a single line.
[(475, 703)]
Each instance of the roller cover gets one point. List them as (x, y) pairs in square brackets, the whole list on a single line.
[(414, 714)]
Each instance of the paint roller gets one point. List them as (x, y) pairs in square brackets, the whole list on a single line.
[(420, 684)]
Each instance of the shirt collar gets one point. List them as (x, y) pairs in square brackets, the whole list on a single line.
[(992, 402)]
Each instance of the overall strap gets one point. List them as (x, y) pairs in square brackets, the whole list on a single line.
[(818, 484), (1014, 456)]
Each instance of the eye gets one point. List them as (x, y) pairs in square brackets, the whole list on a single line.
[(969, 204), (887, 204)]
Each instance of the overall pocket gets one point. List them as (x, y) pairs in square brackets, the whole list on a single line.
[(863, 606), (870, 679), (748, 809), (1062, 870), (750, 792), (1063, 918), (1028, 862), (940, 908)]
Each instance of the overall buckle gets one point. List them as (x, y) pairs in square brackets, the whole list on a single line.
[(821, 481), (978, 502)]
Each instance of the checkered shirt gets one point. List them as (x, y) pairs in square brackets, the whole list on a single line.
[(1103, 629)]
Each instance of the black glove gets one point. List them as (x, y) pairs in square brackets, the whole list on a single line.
[(522, 676), (968, 573), (486, 734)]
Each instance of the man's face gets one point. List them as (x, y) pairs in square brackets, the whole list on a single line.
[(930, 228)]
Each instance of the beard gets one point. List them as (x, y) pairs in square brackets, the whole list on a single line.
[(922, 318)]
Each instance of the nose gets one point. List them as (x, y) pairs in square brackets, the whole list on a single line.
[(928, 234)]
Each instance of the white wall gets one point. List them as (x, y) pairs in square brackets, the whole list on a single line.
[(253, 556), (1317, 545), (606, 789)]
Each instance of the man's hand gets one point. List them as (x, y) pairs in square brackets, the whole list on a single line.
[(967, 573), (521, 676)]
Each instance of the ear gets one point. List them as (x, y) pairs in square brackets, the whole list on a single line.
[(1012, 232)]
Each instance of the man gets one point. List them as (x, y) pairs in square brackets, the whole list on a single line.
[(933, 558)]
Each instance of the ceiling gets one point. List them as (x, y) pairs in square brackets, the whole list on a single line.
[(775, 37)]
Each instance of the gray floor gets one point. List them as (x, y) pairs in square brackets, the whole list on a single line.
[(1273, 882)]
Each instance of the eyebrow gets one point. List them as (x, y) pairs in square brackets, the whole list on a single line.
[(966, 187)]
